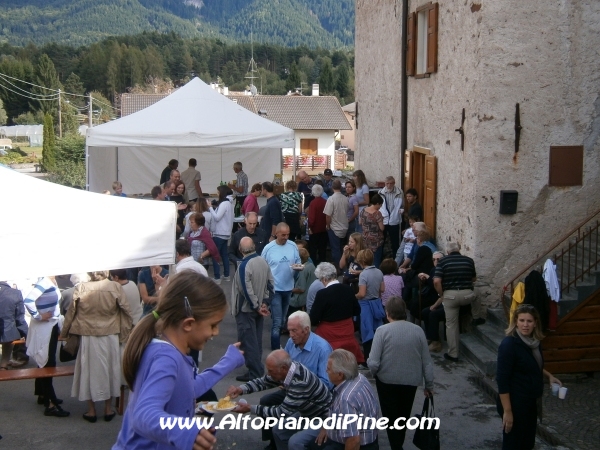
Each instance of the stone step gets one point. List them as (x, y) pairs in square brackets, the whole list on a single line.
[(472, 349), (490, 335), (496, 317)]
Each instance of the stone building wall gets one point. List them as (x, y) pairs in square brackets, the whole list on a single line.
[(434, 113), (546, 57), (378, 75), (491, 55)]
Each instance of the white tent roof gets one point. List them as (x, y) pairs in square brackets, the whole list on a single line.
[(78, 231), (193, 116)]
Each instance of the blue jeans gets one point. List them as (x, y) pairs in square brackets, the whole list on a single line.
[(279, 307), (222, 248), (336, 247), (378, 256)]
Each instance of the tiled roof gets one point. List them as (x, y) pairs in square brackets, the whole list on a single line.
[(293, 111), (298, 112), (132, 103), (245, 101), (350, 108)]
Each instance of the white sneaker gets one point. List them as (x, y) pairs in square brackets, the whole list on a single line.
[(217, 280), (226, 279)]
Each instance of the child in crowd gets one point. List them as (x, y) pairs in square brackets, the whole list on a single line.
[(118, 189), (408, 241), (301, 243), (162, 377), (393, 282)]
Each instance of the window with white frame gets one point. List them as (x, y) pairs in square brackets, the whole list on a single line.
[(421, 42)]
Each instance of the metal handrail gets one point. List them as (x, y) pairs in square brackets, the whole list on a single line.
[(559, 257)]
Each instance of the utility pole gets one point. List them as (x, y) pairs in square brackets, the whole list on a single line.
[(90, 111), (59, 116)]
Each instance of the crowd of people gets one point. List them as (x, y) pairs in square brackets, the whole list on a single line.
[(353, 278)]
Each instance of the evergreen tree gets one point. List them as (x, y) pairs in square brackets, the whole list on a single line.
[(342, 81), (49, 147), (293, 81), (73, 85), (326, 85), (3, 116), (46, 77)]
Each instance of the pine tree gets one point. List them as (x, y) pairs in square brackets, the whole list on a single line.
[(46, 77), (49, 147), (293, 81), (342, 81), (73, 85), (3, 116), (326, 85)]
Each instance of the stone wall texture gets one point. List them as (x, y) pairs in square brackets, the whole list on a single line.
[(378, 72), (544, 56)]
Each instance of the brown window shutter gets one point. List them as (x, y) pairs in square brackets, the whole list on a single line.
[(429, 198), (432, 38), (411, 35), (408, 170)]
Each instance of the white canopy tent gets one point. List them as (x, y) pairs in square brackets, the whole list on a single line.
[(193, 122), (78, 231)]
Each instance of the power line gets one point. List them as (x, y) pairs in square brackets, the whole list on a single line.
[(29, 97), (41, 96), (50, 97), (32, 84)]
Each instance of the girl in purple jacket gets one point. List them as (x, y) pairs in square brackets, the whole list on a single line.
[(162, 377)]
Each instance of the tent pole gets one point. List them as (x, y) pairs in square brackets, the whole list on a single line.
[(294, 162), (87, 168)]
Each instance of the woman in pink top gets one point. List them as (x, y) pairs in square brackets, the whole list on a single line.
[(251, 202), (393, 282)]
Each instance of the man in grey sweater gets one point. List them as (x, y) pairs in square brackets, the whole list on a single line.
[(249, 305), (400, 361)]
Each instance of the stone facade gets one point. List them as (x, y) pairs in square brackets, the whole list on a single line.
[(491, 55)]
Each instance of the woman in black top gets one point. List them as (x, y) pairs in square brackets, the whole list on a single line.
[(179, 198), (333, 310), (520, 376)]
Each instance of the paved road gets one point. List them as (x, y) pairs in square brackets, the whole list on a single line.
[(468, 419)]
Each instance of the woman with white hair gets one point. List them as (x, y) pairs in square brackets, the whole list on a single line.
[(317, 226), (333, 310)]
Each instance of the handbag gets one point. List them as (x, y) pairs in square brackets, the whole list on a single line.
[(427, 439), (69, 348)]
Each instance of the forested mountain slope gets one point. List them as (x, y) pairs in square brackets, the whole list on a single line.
[(315, 23)]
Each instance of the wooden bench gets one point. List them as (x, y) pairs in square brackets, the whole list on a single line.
[(47, 372), (28, 374)]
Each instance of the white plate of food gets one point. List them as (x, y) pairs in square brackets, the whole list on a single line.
[(297, 266), (224, 404)]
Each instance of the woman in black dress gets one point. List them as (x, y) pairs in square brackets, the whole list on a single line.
[(520, 376)]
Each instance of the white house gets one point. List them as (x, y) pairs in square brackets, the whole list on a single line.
[(315, 119)]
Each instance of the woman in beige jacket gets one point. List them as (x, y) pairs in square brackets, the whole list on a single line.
[(100, 315)]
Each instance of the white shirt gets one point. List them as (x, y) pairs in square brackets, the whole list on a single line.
[(189, 264)]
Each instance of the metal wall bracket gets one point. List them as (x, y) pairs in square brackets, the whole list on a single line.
[(461, 130), (518, 128)]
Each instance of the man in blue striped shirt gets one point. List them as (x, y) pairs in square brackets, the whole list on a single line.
[(354, 395)]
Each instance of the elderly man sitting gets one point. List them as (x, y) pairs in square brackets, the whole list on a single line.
[(333, 310), (305, 396), (304, 347), (352, 394)]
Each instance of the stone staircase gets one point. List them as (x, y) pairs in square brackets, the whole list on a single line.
[(578, 270)]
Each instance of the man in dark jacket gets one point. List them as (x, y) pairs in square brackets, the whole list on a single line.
[(251, 230)]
